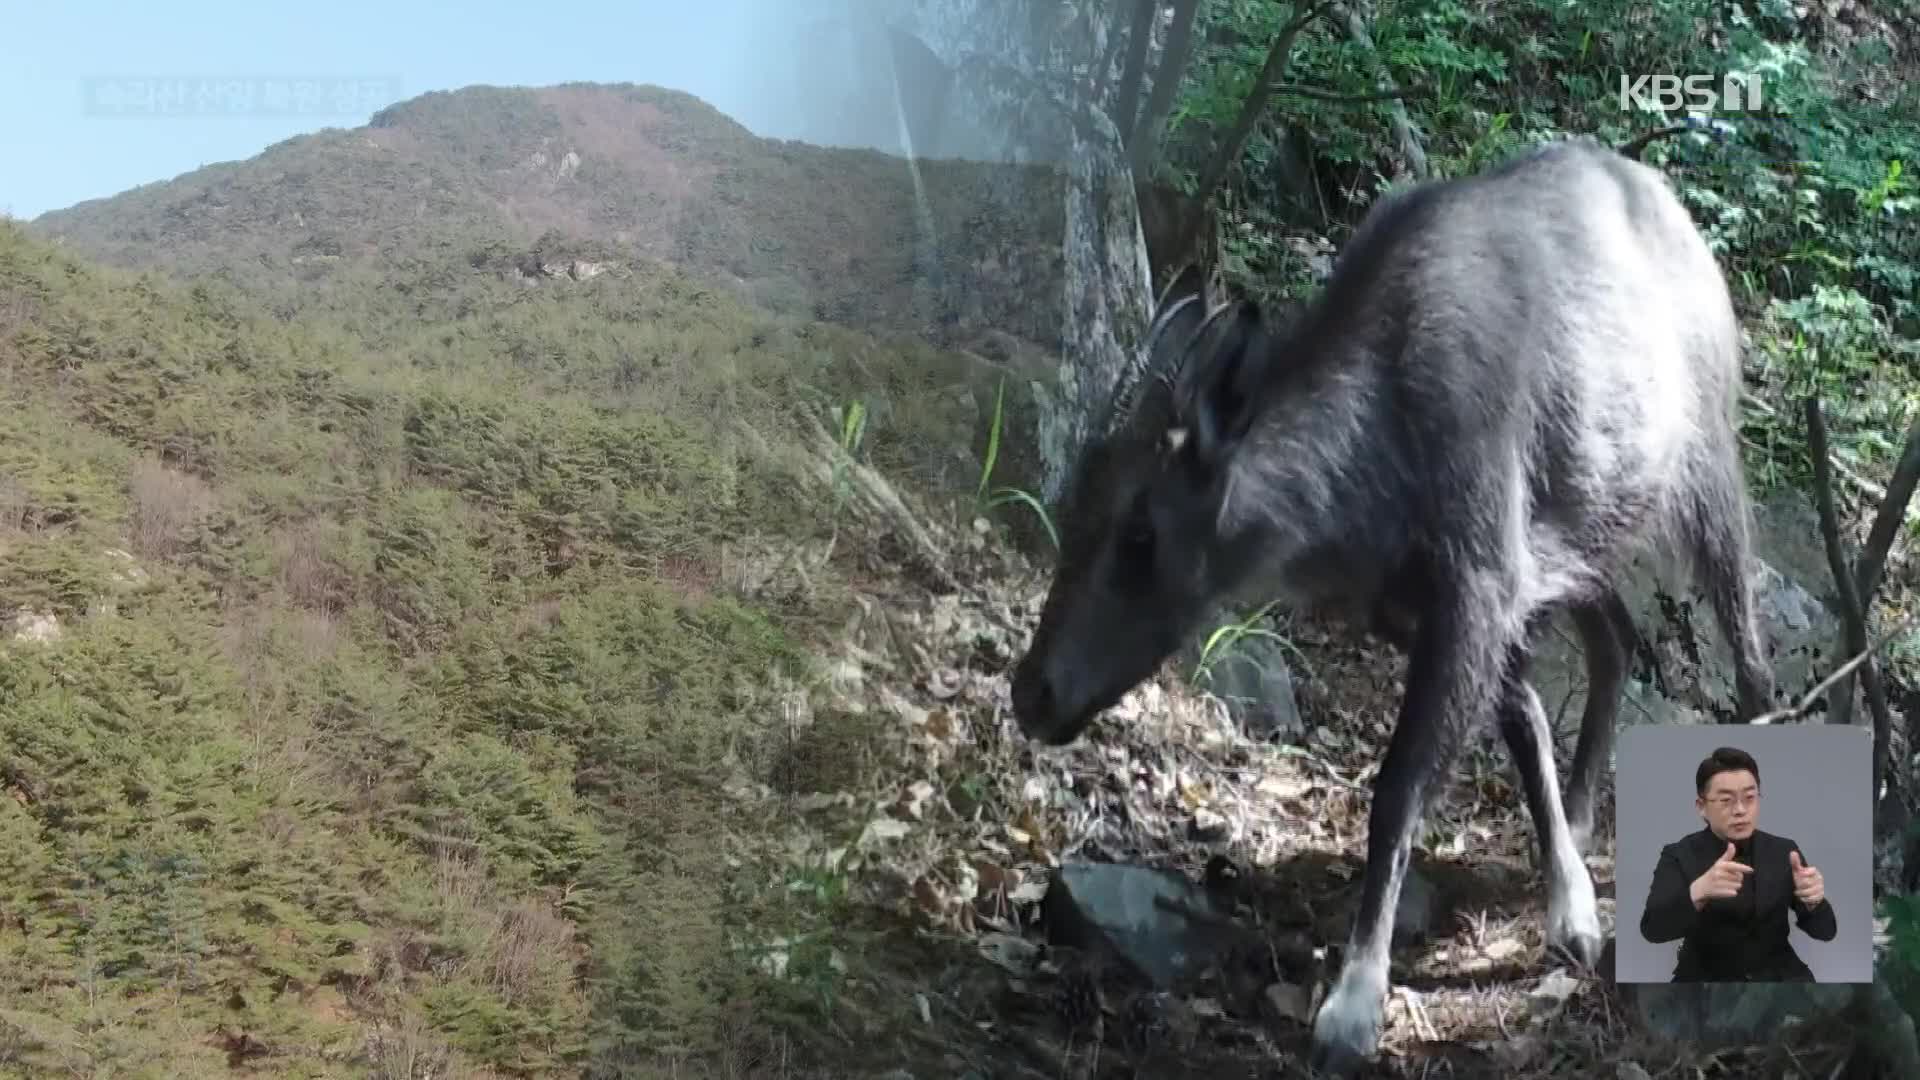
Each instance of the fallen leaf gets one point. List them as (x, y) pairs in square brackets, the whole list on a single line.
[(913, 801), (929, 896), (1193, 795), (881, 829), (968, 884), (1028, 892), (1028, 824), (944, 683), (1284, 788), (992, 878), (1504, 949)]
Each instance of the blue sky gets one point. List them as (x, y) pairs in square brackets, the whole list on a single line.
[(739, 55)]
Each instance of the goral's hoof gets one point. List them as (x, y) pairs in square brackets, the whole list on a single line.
[(1346, 1033)]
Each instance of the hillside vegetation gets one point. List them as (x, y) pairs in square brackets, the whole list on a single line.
[(497, 592), (368, 705)]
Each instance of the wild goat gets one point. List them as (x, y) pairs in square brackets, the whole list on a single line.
[(1509, 383)]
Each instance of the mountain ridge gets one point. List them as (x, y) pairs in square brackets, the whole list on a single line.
[(634, 171)]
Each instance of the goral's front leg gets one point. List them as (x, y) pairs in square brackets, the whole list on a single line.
[(1453, 683)]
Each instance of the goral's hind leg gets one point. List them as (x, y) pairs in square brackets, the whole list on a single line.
[(1605, 627), (1573, 919)]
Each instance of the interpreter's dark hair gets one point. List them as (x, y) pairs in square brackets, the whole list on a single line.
[(1725, 759)]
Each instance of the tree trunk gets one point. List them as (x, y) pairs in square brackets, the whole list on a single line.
[(1126, 104), (1021, 93), (1108, 298), (1873, 558), (1855, 608), (1144, 150)]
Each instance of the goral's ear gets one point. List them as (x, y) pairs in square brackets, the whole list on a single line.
[(1217, 394)]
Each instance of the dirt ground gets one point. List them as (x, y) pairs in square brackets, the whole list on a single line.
[(947, 824)]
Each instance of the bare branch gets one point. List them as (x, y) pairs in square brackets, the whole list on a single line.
[(1893, 512), (1279, 55), (1853, 607), (1850, 613)]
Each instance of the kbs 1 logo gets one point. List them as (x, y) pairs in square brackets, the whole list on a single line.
[(1730, 93)]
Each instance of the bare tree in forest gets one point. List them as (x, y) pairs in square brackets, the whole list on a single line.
[(1144, 145), (1855, 585)]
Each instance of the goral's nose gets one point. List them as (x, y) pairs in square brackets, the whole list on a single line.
[(1032, 697)]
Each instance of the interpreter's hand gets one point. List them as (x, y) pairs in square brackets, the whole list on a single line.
[(1722, 879), (1808, 886)]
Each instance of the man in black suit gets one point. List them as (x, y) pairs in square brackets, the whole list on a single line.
[(1726, 889)]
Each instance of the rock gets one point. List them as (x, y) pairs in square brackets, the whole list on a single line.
[(36, 628), (1110, 907), (126, 574), (1887, 1042), (1413, 920), (1711, 1016), (1789, 577), (1256, 683), (1419, 902), (1705, 1017), (1642, 703), (1890, 1036), (1289, 1001), (1557, 986)]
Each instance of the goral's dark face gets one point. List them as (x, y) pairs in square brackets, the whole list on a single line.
[(1131, 583), (1141, 557)]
